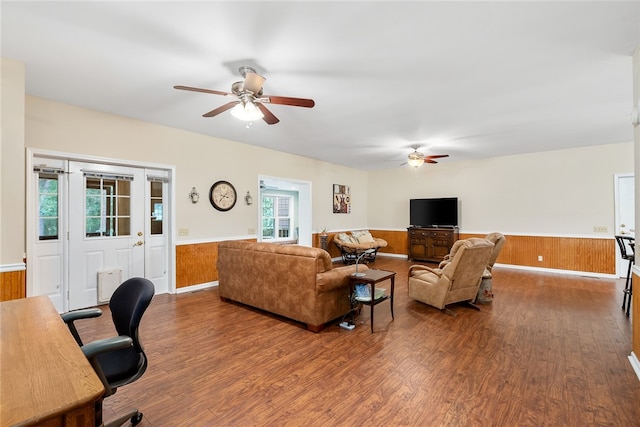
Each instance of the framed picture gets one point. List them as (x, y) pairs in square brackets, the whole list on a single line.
[(341, 199)]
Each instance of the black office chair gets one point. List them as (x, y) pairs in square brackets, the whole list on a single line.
[(118, 360), (627, 250)]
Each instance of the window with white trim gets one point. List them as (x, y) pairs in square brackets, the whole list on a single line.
[(277, 217)]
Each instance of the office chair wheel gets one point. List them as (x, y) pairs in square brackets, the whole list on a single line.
[(136, 419)]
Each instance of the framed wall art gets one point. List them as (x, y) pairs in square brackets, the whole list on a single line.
[(341, 199)]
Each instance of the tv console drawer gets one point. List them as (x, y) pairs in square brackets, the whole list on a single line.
[(430, 244)]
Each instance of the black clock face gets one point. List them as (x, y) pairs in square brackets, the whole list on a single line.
[(222, 196)]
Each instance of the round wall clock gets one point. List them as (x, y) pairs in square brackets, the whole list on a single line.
[(222, 196)]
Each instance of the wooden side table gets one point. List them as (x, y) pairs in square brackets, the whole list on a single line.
[(372, 277)]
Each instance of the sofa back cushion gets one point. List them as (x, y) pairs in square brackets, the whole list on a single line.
[(321, 257)]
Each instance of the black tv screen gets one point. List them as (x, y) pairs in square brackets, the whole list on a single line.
[(442, 212)]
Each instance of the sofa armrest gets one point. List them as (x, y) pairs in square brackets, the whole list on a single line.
[(336, 277)]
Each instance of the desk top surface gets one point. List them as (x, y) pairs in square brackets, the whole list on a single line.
[(43, 370)]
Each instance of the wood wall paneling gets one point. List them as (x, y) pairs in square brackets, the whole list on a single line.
[(196, 263), (561, 253), (13, 285)]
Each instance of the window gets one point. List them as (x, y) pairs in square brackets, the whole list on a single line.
[(276, 217), (156, 207), (48, 215), (107, 206)]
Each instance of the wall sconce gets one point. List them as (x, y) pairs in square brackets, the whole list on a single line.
[(248, 199), (194, 195)]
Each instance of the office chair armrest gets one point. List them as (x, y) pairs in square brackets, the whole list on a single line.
[(72, 316), (97, 347), (85, 313)]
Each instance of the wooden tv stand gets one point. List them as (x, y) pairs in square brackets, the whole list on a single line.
[(430, 244)]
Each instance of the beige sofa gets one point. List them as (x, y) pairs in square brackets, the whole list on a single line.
[(296, 282)]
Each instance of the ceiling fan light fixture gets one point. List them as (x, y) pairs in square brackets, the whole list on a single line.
[(415, 159), (247, 111)]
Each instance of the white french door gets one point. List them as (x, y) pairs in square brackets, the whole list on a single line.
[(91, 226), (106, 229)]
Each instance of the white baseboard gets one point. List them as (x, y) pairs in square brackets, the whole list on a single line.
[(557, 271), (194, 288), (635, 363)]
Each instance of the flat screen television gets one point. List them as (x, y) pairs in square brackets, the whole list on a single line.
[(442, 212)]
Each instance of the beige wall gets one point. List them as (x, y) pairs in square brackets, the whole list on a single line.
[(200, 161), (564, 192), (12, 178)]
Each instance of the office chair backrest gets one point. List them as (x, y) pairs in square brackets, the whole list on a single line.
[(128, 303)]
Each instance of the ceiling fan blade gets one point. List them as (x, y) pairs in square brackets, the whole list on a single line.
[(197, 89), (284, 100), (221, 109), (427, 160), (268, 115), (253, 82), (437, 156)]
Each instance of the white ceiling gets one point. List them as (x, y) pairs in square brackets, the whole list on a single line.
[(468, 79)]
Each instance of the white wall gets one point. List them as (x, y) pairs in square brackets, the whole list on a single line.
[(564, 192)]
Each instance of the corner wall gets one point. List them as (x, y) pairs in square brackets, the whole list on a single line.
[(12, 180)]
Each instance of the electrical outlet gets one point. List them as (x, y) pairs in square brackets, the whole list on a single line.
[(183, 231), (540, 258), (600, 229)]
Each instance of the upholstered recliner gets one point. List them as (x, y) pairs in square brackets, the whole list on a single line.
[(457, 281), (354, 244), (485, 293)]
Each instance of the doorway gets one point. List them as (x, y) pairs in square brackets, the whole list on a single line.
[(91, 225), (300, 196), (624, 185)]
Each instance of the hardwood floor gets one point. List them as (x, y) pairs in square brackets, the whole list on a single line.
[(551, 350)]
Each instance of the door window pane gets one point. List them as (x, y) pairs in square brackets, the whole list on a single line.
[(157, 204), (48, 216), (107, 207)]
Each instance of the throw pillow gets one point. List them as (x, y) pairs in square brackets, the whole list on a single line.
[(346, 238), (357, 233), (366, 237)]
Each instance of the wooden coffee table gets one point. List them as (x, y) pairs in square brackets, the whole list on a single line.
[(372, 277)]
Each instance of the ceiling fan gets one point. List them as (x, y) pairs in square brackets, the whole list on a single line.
[(249, 105), (416, 158)]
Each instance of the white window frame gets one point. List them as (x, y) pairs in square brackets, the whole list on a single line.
[(277, 218)]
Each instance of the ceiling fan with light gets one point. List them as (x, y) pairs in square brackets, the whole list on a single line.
[(249, 105), (416, 158)]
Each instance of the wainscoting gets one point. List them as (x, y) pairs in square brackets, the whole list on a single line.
[(559, 253), (196, 262), (13, 284)]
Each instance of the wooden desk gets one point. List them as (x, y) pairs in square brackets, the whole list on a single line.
[(45, 379)]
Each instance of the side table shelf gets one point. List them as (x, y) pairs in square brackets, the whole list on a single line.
[(371, 277)]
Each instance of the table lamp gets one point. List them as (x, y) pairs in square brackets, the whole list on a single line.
[(368, 251)]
